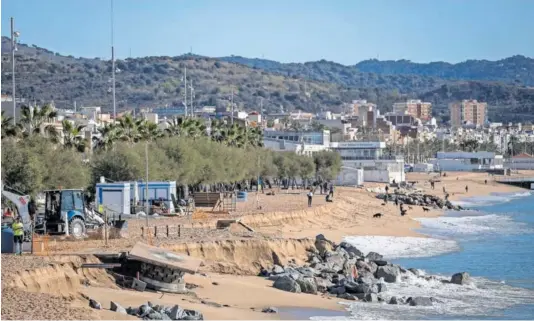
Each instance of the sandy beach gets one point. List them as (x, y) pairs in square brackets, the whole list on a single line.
[(284, 225)]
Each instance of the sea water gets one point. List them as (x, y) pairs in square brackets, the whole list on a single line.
[(493, 242)]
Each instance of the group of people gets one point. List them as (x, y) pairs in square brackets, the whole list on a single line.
[(324, 188)]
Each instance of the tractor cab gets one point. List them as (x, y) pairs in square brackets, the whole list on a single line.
[(64, 212)]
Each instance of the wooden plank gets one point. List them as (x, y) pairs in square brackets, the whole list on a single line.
[(245, 226), (158, 256)]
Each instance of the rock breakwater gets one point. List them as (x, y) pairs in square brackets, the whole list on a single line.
[(343, 271)]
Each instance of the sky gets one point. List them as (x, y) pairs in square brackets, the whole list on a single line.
[(344, 31)]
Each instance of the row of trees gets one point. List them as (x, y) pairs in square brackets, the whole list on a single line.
[(190, 157), (36, 121)]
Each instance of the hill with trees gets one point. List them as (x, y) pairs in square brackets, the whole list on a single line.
[(45, 76)]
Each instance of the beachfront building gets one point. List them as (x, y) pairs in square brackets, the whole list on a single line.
[(522, 161), (468, 161), (302, 143), (377, 164)]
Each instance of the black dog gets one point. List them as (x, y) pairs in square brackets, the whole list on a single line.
[(426, 209), (377, 215)]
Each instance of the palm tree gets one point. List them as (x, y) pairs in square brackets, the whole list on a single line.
[(32, 119), (150, 131), (8, 129), (109, 134), (73, 137), (186, 127), (130, 128)]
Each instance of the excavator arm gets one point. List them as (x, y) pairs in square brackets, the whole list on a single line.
[(21, 202)]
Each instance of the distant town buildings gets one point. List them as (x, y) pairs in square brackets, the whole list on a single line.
[(415, 108), (468, 112), (363, 110)]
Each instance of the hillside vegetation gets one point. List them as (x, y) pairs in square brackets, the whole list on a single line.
[(43, 75)]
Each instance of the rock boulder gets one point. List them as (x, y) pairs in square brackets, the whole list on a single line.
[(286, 283), (390, 273)]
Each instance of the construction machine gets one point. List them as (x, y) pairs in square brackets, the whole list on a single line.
[(21, 203), (65, 212)]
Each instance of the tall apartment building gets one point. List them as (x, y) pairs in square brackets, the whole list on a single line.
[(467, 111), (415, 108), (361, 108)]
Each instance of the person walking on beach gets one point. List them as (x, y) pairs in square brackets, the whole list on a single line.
[(432, 184), (310, 196), (18, 235), (466, 189), (387, 189), (444, 191), (331, 190)]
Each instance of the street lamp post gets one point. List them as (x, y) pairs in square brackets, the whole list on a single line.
[(14, 36), (113, 65)]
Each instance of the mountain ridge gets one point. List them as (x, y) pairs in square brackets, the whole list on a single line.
[(43, 75)]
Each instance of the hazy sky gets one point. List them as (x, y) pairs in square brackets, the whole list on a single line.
[(345, 31)]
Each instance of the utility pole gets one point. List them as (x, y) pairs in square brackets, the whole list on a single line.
[(192, 111), (261, 112), (185, 90), (13, 48), (232, 106), (113, 65), (146, 186)]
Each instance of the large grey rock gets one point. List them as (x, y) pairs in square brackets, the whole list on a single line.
[(351, 249), (380, 262), (308, 271), (113, 306), (292, 272), (390, 273), (154, 315), (286, 283), (460, 278), (341, 251), (277, 269), (144, 310), (393, 300), (193, 315), (323, 284), (307, 285), (334, 260), (419, 301), (382, 287), (177, 313), (416, 272), (95, 304), (338, 290), (363, 266), (373, 256), (371, 297), (132, 310), (322, 244), (270, 310), (347, 296), (274, 277)]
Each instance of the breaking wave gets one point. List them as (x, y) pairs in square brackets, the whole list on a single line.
[(475, 299), (394, 247), (491, 199)]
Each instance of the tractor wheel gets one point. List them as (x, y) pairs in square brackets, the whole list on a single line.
[(77, 228)]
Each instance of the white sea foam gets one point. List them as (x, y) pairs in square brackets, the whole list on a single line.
[(474, 299), (392, 247), (472, 225), (490, 199)]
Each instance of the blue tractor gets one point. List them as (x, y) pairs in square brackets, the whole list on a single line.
[(66, 213)]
